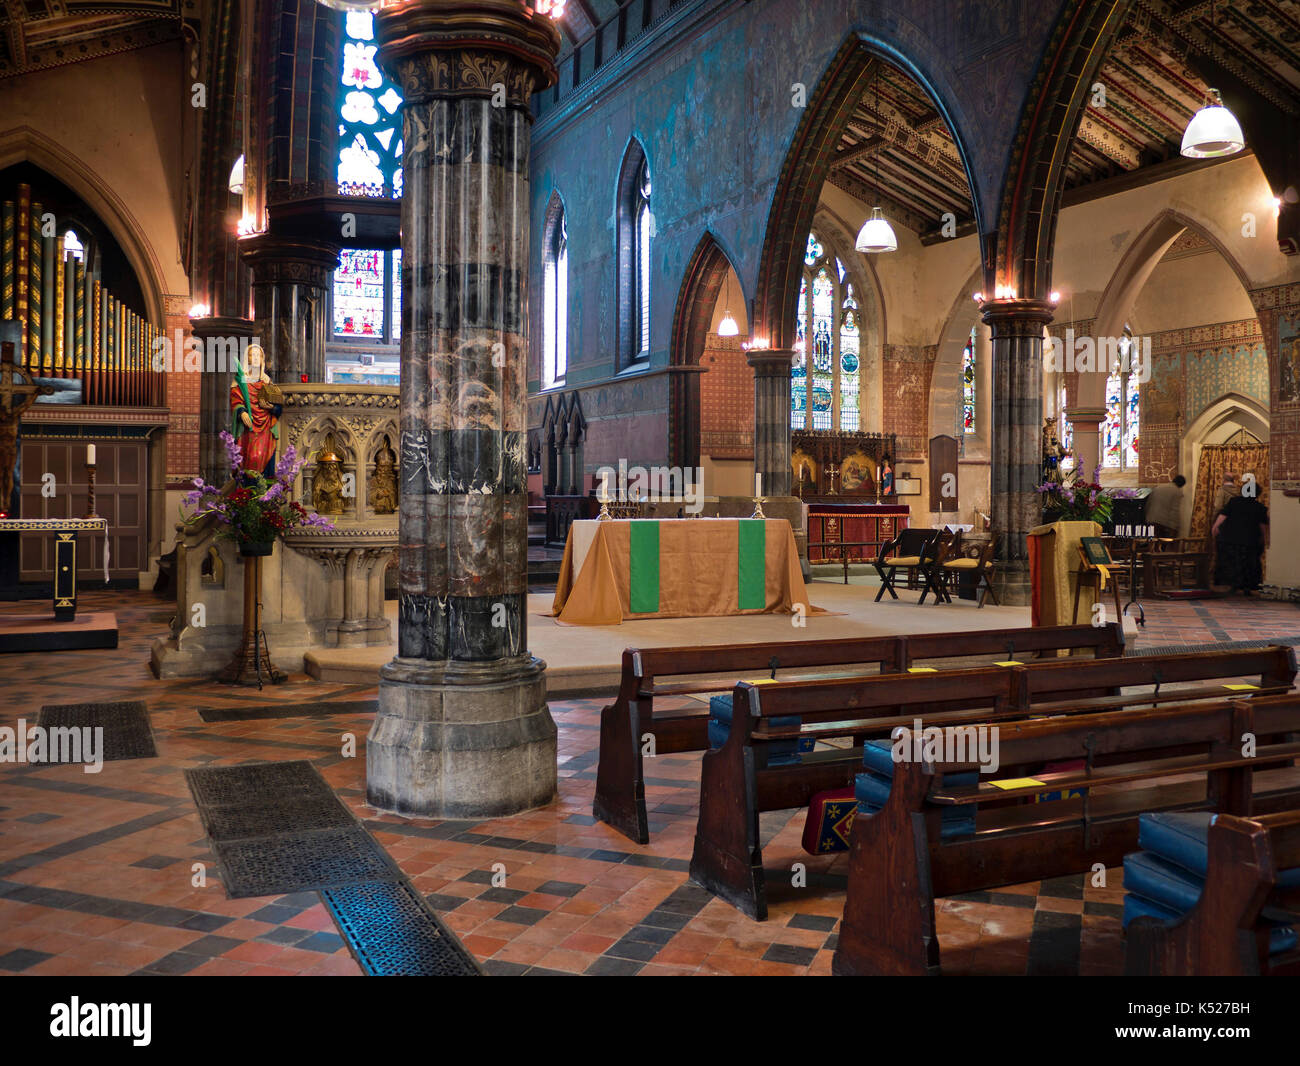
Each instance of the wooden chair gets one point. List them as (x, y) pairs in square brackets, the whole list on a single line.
[(930, 568), (976, 569), (1174, 758), (911, 545)]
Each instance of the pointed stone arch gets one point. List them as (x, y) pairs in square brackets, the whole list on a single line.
[(24, 144)]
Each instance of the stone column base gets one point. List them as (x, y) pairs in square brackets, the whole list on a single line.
[(1013, 585), (460, 740)]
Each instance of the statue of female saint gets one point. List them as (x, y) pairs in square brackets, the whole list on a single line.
[(255, 401)]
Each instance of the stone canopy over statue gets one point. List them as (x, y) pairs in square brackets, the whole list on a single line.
[(255, 401)]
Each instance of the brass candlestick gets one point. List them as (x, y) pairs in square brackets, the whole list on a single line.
[(90, 491), (758, 507)]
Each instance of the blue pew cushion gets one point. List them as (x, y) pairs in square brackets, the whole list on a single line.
[(779, 752), (1280, 938), (1182, 838), (872, 790), (877, 756)]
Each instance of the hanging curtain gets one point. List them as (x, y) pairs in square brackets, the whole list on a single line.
[(1216, 461)]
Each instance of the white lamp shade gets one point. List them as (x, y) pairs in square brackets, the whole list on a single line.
[(237, 176), (727, 327), (876, 234), (1213, 131)]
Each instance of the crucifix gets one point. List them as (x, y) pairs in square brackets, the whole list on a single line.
[(15, 397)]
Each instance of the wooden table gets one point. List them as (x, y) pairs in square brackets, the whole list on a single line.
[(677, 568)]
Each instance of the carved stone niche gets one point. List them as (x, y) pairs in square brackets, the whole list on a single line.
[(320, 588)]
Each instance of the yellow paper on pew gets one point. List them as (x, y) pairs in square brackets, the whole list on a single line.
[(1009, 662), (1241, 688), (1017, 782), (762, 681), (922, 670)]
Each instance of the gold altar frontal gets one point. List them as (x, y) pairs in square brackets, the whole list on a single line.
[(681, 568)]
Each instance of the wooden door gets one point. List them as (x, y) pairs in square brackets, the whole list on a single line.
[(943, 473), (121, 493)]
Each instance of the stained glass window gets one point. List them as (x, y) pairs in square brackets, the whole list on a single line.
[(850, 361), (643, 256), (1120, 430), (968, 385), (397, 295), (555, 304), (72, 246), (798, 366), (359, 291), (370, 120), (1065, 428), (826, 373)]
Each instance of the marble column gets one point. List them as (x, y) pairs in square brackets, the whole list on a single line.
[(291, 280), (223, 339), (463, 729), (1016, 454), (771, 368)]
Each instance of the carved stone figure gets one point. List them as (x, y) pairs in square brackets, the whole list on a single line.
[(327, 485), (383, 482)]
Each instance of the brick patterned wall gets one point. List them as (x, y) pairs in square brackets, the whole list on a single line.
[(182, 397), (1190, 370), (726, 400), (1279, 318), (906, 371)]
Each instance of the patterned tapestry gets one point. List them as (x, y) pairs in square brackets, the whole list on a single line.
[(1216, 461)]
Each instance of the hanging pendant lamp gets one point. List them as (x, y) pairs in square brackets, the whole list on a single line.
[(876, 234), (728, 327), (1213, 130), (237, 176)]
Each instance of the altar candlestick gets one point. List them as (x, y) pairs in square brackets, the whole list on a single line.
[(90, 455), (758, 484)]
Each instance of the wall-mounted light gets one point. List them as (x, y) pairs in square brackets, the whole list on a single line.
[(200, 311), (237, 176), (1055, 298)]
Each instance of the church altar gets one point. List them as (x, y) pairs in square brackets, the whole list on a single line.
[(852, 523), (65, 532), (677, 568)]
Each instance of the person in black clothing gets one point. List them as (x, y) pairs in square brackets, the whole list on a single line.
[(1241, 535)]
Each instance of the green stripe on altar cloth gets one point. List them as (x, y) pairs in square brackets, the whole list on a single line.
[(643, 566), (751, 564)]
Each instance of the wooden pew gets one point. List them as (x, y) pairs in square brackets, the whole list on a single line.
[(624, 724), (737, 784), (1225, 933), (899, 864)]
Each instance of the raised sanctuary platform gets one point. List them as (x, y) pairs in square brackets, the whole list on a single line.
[(585, 661)]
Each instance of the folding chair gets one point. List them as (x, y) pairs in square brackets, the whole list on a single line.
[(933, 576), (909, 544)]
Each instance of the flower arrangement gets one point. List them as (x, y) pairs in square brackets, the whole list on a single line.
[(253, 509), (1080, 500)]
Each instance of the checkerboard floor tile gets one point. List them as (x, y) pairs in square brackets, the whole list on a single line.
[(111, 873)]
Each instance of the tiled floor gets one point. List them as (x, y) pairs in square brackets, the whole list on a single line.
[(112, 874)]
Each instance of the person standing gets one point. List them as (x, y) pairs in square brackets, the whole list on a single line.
[(1241, 537), (1165, 507)]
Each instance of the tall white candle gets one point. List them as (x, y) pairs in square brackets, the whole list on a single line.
[(758, 484), (90, 455)]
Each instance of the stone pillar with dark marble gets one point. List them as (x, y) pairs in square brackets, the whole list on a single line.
[(291, 280), (463, 729), (1016, 454), (771, 368), (223, 340)]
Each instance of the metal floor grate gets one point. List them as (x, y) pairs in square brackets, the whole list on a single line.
[(395, 933), (127, 731)]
